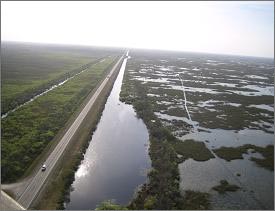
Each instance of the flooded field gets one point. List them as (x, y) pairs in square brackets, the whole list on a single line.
[(227, 102), (116, 161)]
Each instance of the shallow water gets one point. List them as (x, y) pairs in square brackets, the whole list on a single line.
[(263, 107), (117, 158), (230, 138), (250, 196)]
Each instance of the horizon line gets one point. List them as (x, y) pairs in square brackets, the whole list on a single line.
[(137, 48)]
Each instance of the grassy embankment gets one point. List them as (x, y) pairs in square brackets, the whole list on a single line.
[(58, 186), (29, 132), (166, 151), (233, 153)]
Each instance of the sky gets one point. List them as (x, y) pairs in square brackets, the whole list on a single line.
[(222, 27)]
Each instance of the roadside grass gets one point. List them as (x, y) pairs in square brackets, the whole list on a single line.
[(233, 153), (58, 187), (224, 186), (30, 129)]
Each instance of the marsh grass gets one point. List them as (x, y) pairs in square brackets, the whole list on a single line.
[(233, 153), (224, 186), (193, 149)]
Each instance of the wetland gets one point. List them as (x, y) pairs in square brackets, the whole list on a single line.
[(230, 100)]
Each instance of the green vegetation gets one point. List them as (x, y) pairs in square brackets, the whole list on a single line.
[(150, 202), (27, 131), (194, 200), (232, 153), (268, 154), (225, 186), (192, 149), (110, 205), (162, 190)]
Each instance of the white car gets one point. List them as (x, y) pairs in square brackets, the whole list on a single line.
[(43, 167)]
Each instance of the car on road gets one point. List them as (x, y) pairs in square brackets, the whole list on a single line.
[(43, 167)]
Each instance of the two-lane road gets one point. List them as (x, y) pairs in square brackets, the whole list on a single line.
[(35, 185)]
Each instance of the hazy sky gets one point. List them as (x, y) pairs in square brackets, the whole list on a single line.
[(243, 28)]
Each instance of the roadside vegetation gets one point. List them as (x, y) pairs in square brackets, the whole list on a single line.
[(162, 190), (233, 153), (30, 129)]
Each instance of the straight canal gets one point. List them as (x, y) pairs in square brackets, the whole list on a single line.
[(117, 158)]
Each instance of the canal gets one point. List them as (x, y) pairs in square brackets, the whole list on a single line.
[(116, 160)]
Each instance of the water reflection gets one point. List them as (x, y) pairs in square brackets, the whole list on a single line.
[(86, 166), (117, 158)]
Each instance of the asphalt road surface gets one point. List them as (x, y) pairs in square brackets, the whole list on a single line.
[(35, 185), (8, 203)]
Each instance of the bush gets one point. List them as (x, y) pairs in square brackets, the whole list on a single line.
[(110, 205)]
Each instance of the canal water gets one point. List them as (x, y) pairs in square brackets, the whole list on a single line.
[(116, 160)]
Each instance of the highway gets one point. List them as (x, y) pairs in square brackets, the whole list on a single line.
[(33, 188)]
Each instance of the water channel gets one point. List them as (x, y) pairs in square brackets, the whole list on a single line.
[(116, 160)]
